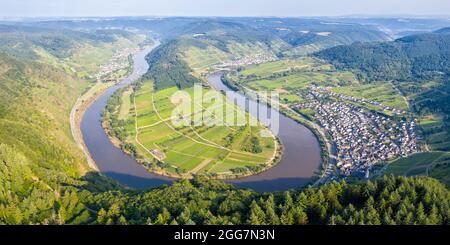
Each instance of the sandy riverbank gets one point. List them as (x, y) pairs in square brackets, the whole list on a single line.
[(77, 114)]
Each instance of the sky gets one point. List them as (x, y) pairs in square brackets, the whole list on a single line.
[(39, 8)]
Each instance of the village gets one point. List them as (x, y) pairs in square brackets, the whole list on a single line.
[(247, 60), (108, 71), (362, 137)]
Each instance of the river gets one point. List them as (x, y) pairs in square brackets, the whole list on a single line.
[(300, 161)]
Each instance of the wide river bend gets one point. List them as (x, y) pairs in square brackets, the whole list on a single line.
[(300, 161)]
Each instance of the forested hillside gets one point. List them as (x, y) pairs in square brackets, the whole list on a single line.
[(41, 76), (418, 57), (387, 201), (167, 68), (310, 35)]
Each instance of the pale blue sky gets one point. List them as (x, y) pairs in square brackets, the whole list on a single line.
[(27, 8)]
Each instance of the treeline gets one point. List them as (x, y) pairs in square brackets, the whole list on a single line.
[(417, 57), (167, 68), (389, 200)]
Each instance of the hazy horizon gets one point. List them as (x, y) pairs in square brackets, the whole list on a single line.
[(230, 8)]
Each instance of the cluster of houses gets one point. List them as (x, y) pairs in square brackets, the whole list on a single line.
[(362, 137), (248, 60), (327, 90), (118, 62)]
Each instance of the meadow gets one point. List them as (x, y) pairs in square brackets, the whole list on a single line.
[(269, 68)]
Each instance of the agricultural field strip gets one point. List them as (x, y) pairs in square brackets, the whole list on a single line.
[(217, 162), (196, 141), (408, 105), (195, 132), (192, 115), (154, 124), (406, 168), (234, 110), (137, 130), (201, 166), (433, 163), (188, 155), (201, 137)]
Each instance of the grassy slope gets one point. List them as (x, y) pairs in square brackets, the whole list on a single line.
[(433, 164)]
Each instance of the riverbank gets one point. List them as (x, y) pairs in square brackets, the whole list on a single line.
[(79, 109), (77, 113)]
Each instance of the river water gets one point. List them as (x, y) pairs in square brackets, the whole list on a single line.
[(300, 161)]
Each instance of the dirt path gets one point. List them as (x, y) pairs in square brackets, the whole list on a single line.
[(55, 192), (401, 94), (200, 166), (180, 133), (136, 138)]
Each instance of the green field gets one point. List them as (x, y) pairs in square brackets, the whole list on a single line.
[(288, 77), (382, 92), (433, 164), (193, 149), (126, 105), (266, 69), (435, 131), (416, 164)]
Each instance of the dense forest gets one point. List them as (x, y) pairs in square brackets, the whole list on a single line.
[(168, 69), (390, 200), (418, 57), (37, 91), (200, 201)]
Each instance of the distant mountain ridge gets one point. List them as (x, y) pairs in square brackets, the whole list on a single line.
[(413, 57), (444, 30)]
